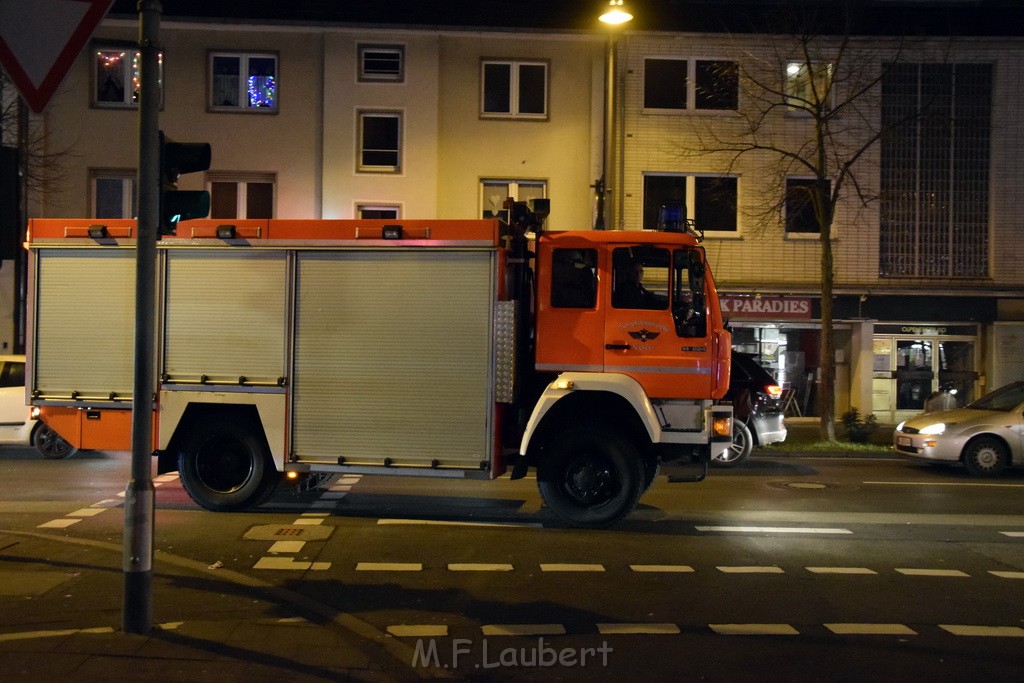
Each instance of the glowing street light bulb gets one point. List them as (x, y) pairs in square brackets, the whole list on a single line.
[(616, 13)]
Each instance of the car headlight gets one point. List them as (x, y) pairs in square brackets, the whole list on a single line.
[(899, 427), (937, 428)]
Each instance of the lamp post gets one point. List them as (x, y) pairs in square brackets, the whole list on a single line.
[(615, 15)]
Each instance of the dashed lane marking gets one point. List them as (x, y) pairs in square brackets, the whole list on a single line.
[(945, 483), (751, 570), (771, 530), (666, 568), (1008, 575), (479, 567), (871, 629), (418, 631), (572, 567), (1013, 534), (840, 570), (984, 631), (754, 629), (956, 573), (523, 630), (637, 629), (86, 512), (440, 522), (58, 523), (290, 563), (287, 546), (389, 567)]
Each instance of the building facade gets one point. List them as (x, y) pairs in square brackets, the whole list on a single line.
[(310, 117)]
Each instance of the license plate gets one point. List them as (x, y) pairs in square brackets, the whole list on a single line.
[(903, 441)]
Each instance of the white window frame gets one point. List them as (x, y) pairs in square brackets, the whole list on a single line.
[(512, 187), (691, 86), (130, 75), (242, 180), (129, 190), (370, 76), (243, 105), (377, 206), (797, 81), (514, 89), (691, 199), (361, 167)]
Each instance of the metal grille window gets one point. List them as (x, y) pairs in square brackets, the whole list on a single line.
[(934, 215), (382, 63)]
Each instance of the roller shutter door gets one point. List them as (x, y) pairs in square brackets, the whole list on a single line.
[(393, 358)]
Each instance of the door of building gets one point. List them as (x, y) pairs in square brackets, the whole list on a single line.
[(908, 369)]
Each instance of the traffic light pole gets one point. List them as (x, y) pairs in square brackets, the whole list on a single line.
[(140, 500)]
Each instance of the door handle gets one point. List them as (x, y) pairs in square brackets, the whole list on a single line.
[(617, 347)]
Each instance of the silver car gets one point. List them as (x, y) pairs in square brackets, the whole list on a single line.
[(987, 436)]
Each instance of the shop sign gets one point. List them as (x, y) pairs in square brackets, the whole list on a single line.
[(766, 307), (927, 330)]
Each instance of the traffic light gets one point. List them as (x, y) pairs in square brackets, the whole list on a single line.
[(176, 205)]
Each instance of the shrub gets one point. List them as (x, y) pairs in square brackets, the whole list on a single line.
[(858, 428)]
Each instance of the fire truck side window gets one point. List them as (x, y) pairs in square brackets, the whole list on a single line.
[(641, 278), (689, 305), (574, 278)]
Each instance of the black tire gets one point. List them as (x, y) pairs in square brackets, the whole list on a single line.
[(591, 477), (225, 466), (739, 450), (652, 468), (51, 445), (986, 457)]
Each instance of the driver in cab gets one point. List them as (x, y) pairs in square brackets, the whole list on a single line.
[(630, 291)]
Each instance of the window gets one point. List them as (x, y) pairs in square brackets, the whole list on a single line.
[(377, 211), (800, 214), (640, 278), (113, 193), (934, 209), (245, 195), (574, 278), (117, 76), (494, 192), (808, 87), (710, 201), (243, 82), (513, 89), (681, 84), (380, 142), (382, 63)]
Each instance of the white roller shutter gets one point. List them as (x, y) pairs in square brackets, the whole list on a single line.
[(225, 315), (393, 358), (85, 324)]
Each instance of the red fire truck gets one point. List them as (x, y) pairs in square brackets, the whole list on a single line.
[(446, 348)]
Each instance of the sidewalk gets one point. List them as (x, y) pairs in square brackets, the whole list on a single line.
[(805, 430), (61, 615)]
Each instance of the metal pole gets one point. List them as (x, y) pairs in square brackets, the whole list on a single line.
[(21, 260), (608, 174), (139, 502)]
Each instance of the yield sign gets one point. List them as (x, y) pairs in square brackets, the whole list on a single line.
[(40, 39)]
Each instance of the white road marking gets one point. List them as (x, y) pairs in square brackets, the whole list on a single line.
[(470, 567), (287, 546), (418, 631), (58, 523), (984, 631), (309, 521), (290, 563), (932, 572), (523, 630), (389, 567), (772, 530), (754, 629), (1013, 534), (668, 568), (944, 483), (86, 512), (751, 570), (840, 570), (572, 567), (109, 503), (643, 629), (871, 629), (440, 522), (1008, 575)]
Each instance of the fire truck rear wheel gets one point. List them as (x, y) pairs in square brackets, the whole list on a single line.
[(591, 477), (226, 467)]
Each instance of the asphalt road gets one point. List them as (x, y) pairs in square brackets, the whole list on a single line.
[(788, 568)]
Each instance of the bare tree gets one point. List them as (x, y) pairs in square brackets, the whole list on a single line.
[(810, 106), (44, 168)]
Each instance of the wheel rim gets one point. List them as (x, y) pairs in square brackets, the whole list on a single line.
[(224, 464), (987, 458), (51, 443), (589, 480), (736, 449)]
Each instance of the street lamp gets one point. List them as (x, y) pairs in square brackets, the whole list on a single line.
[(614, 16)]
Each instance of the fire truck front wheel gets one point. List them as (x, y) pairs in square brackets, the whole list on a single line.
[(226, 467), (591, 477)]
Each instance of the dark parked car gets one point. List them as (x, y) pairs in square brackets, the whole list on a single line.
[(758, 412)]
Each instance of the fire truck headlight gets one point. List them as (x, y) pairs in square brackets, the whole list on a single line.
[(564, 384)]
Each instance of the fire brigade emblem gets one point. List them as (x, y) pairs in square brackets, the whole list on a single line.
[(644, 335)]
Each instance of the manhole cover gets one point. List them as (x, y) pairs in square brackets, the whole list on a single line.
[(273, 532)]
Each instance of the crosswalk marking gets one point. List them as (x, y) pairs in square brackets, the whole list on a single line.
[(932, 572)]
